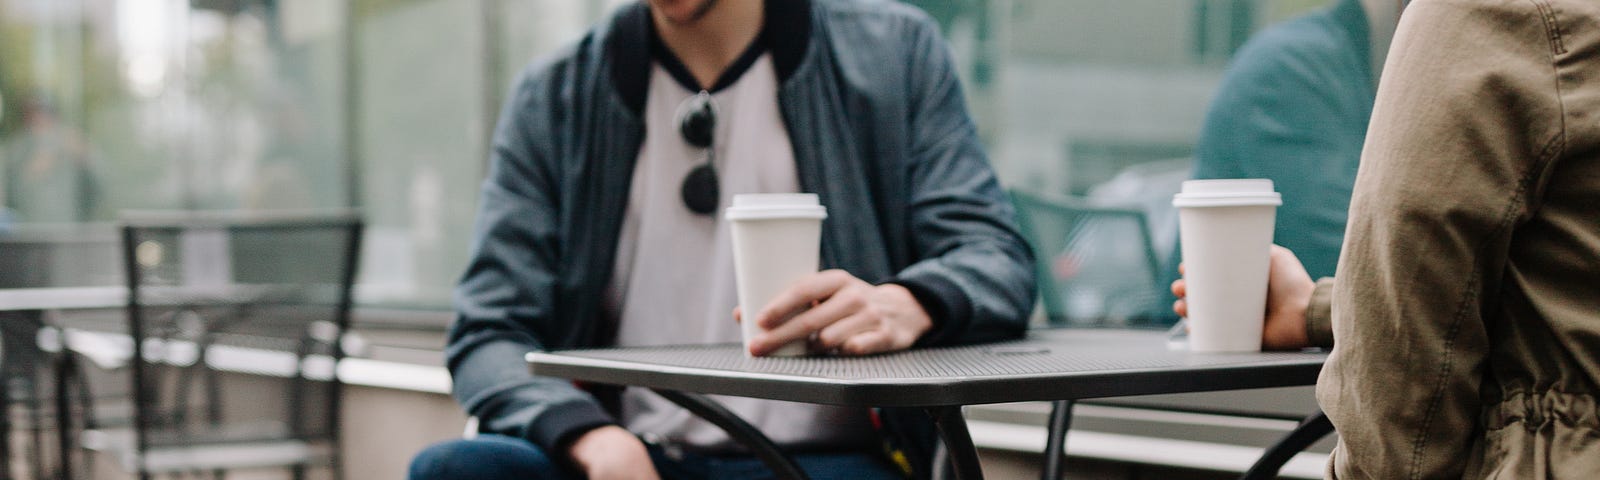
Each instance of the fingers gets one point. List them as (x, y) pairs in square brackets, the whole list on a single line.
[(1180, 289), (875, 341), (812, 288), (738, 315), (800, 327), (835, 335), (839, 312)]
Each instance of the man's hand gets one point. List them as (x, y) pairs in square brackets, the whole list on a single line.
[(845, 314), (1289, 290), (610, 452)]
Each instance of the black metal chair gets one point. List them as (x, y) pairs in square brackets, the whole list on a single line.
[(24, 395), (238, 319), (1097, 264), (1308, 432)]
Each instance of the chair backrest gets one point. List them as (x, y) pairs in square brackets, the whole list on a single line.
[(211, 294), (1097, 265)]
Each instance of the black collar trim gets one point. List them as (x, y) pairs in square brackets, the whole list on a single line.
[(785, 32), (680, 72)]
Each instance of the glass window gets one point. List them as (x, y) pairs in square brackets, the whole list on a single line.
[(110, 105), (387, 105), (422, 127)]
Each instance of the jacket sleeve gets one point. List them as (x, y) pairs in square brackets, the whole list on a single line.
[(975, 273), (504, 300), (1319, 314), (1466, 123)]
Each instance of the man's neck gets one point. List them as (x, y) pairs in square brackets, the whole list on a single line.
[(709, 44)]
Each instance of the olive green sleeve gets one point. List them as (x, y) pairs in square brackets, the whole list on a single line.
[(1319, 314)]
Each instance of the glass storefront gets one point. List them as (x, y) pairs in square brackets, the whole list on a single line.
[(387, 105)]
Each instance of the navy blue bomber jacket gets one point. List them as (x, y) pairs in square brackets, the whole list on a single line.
[(869, 96)]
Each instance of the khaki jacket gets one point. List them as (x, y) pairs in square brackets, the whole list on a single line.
[(1466, 313)]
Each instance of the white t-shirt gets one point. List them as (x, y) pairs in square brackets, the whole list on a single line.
[(673, 282)]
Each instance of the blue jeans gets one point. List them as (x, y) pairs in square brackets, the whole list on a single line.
[(501, 457)]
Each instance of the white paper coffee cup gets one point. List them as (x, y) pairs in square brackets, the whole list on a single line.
[(1225, 227), (777, 238)]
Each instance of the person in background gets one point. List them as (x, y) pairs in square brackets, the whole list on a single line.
[(1293, 107), (1464, 318), (48, 169), (600, 225)]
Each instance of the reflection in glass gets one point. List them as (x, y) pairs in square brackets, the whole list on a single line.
[(386, 105)]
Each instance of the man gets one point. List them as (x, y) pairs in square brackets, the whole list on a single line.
[(47, 173), (600, 225)]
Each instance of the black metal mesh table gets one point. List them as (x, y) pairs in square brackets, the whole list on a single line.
[(1048, 365)]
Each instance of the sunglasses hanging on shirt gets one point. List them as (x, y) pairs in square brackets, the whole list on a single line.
[(697, 122)]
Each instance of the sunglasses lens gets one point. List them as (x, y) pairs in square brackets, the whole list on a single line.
[(697, 120), (697, 123), (700, 189)]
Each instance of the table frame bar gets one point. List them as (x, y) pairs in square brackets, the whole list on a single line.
[(742, 432), (1310, 430), (957, 441)]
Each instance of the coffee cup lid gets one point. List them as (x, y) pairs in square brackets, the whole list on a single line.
[(1236, 192), (776, 206)]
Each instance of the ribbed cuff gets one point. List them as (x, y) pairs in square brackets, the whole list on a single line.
[(563, 423), (948, 307), (1319, 315)]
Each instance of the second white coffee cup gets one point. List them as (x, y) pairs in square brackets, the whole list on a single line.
[(1225, 227), (776, 242)]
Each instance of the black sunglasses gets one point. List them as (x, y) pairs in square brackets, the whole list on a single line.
[(697, 122)]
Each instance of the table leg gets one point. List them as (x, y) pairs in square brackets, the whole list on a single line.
[(782, 466), (1055, 446), (953, 430)]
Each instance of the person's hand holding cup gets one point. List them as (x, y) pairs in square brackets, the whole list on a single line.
[(836, 312), (776, 244), (1289, 290), (1225, 228)]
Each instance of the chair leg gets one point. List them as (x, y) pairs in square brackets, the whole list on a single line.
[(86, 416), (36, 430), (5, 426), (66, 373)]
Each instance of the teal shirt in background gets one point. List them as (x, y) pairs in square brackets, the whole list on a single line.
[(1293, 107)]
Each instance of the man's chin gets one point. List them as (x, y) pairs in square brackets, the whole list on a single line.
[(683, 12)]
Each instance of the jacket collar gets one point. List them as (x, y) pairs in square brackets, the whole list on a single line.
[(786, 25)]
